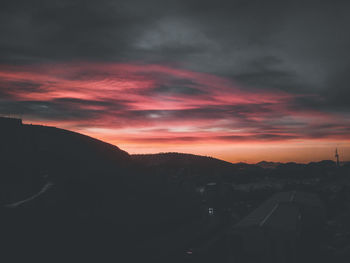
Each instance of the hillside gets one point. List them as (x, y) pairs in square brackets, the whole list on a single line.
[(174, 158), (68, 194), (84, 200)]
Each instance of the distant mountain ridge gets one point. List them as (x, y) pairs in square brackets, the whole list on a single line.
[(46, 137), (175, 157), (69, 195), (268, 165)]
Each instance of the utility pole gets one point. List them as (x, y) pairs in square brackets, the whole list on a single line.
[(337, 156)]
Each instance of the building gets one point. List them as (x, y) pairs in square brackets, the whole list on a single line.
[(9, 123), (9, 128), (286, 228)]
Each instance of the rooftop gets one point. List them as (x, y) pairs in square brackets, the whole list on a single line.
[(279, 208), (6, 121)]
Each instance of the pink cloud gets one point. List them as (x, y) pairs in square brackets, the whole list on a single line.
[(155, 104)]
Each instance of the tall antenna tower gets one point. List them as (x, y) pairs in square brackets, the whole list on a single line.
[(337, 156)]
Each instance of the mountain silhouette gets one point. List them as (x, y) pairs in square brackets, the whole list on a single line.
[(70, 195), (67, 197)]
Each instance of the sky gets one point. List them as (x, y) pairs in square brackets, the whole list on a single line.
[(243, 81)]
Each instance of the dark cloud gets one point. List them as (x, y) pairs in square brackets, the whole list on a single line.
[(208, 138), (112, 104), (9, 88), (239, 112), (61, 109), (172, 86), (259, 137), (45, 110), (180, 90), (299, 47)]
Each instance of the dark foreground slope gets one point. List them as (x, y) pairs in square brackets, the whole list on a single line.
[(66, 197), (55, 186)]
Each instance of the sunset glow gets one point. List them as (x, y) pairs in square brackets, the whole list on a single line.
[(149, 108)]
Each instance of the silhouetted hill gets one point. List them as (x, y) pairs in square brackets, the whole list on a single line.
[(67, 197), (32, 155), (268, 165), (181, 160), (80, 199), (195, 167)]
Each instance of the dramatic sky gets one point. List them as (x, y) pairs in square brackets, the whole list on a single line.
[(238, 80)]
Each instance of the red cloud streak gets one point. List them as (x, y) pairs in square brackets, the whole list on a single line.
[(150, 108)]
